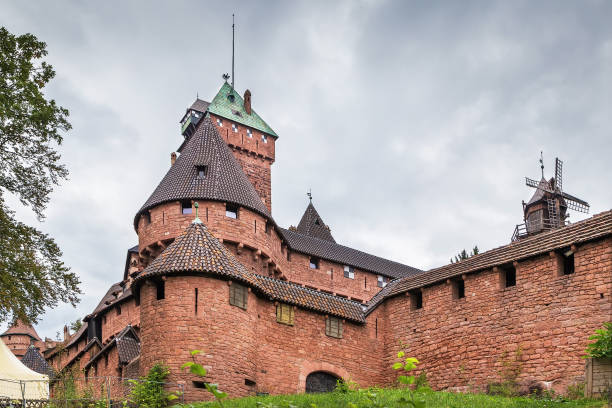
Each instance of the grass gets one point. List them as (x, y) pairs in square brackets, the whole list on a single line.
[(389, 398)]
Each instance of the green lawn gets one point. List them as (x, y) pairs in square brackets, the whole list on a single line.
[(389, 398)]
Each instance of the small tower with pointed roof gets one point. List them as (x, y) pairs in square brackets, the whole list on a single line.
[(250, 138), (312, 225), (19, 337)]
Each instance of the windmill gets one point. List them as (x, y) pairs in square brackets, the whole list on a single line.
[(547, 209)]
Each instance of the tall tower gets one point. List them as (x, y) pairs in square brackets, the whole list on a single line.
[(249, 137)]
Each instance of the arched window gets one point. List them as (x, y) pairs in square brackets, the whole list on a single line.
[(320, 381)]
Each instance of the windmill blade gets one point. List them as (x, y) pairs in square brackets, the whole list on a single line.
[(537, 184), (558, 174), (576, 204)]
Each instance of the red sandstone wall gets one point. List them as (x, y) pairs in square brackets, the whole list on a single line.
[(249, 344), (262, 252), (460, 341), (113, 323), (255, 156), (17, 343)]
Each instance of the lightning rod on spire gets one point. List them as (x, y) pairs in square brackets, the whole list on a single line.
[(542, 162), (233, 51), (309, 194)]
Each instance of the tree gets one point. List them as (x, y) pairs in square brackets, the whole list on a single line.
[(32, 275), (76, 325), (464, 255)]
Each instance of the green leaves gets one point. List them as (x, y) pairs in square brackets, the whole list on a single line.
[(32, 276), (602, 347), (195, 352), (195, 368)]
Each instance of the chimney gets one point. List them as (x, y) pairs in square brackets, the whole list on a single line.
[(247, 101), (66, 333), (172, 158)]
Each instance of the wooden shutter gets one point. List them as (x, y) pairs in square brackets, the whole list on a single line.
[(238, 295), (333, 327), (284, 313)]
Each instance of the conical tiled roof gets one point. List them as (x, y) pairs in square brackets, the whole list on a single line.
[(224, 180), (20, 327), (312, 225), (36, 362), (196, 250)]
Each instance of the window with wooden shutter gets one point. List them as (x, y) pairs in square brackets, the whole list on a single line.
[(333, 327), (284, 313), (238, 295)]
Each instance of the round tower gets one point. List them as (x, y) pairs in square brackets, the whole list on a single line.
[(19, 337), (196, 296)]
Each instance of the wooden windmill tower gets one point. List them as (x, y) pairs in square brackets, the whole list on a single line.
[(547, 209)]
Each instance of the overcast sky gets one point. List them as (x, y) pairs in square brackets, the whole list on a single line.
[(414, 123)]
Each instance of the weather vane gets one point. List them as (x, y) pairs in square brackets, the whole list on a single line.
[(225, 77), (542, 162), (309, 194)]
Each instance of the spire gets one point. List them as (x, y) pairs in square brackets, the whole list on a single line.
[(206, 170), (312, 224)]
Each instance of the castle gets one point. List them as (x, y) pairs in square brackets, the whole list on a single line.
[(280, 310)]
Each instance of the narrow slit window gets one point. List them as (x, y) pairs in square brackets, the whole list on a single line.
[(382, 281), (186, 207), (118, 310), (231, 211), (568, 261), (160, 287), (333, 327), (458, 288), (509, 276), (284, 314), (416, 299), (147, 217), (195, 302), (267, 228), (314, 263), (238, 295), (202, 171), (288, 255), (349, 272)]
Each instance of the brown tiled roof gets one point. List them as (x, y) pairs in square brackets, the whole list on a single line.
[(36, 362), (20, 327), (200, 105), (225, 180), (198, 251), (307, 298), (127, 343), (346, 256), (115, 294), (592, 228), (380, 296), (312, 225)]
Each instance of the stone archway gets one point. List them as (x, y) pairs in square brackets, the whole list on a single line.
[(320, 381), (309, 367)]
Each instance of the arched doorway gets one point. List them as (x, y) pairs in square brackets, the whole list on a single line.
[(320, 381)]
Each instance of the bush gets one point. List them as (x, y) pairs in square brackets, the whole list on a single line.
[(602, 347), (148, 392)]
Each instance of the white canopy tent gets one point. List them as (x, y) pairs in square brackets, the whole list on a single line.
[(14, 376)]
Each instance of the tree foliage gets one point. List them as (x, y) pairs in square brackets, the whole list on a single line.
[(32, 275), (602, 345), (464, 255)]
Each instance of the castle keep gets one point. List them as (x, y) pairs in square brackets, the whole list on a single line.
[(279, 310)]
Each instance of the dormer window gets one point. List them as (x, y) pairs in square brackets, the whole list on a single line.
[(186, 207), (349, 272), (202, 171), (219, 122), (234, 128), (382, 281), (314, 263), (264, 138), (249, 133), (231, 211)]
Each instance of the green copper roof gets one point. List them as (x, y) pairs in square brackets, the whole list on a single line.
[(221, 105)]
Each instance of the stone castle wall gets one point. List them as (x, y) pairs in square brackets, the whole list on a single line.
[(548, 316)]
